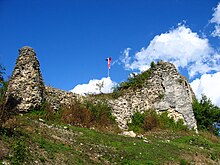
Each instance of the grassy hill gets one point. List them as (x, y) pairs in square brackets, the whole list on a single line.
[(29, 139)]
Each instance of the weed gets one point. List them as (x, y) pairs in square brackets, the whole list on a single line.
[(42, 159), (183, 162), (180, 80), (161, 96), (20, 151), (213, 156)]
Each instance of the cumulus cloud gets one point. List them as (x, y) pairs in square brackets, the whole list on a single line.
[(93, 86), (208, 84), (181, 46), (216, 20)]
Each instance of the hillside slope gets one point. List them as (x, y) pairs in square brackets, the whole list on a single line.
[(29, 139)]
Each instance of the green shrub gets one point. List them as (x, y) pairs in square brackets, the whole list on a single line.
[(137, 81), (152, 64), (205, 113), (151, 120), (46, 112), (137, 122), (101, 113), (88, 114)]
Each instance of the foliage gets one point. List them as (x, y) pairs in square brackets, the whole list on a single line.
[(151, 120), (205, 113), (134, 82), (152, 64), (76, 114), (2, 72), (50, 143), (46, 112), (137, 122), (101, 112), (100, 86), (88, 114), (3, 84), (3, 89), (20, 151)]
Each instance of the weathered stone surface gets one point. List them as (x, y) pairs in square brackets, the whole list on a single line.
[(26, 87), (165, 90), (129, 133), (57, 97)]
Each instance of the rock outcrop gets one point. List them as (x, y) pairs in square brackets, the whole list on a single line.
[(164, 90), (26, 88)]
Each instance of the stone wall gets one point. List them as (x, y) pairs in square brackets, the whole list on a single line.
[(57, 97), (165, 90)]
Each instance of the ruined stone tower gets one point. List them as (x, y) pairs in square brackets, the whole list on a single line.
[(26, 88)]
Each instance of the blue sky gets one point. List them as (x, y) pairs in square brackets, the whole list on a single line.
[(72, 38)]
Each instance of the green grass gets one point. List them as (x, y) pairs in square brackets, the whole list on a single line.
[(65, 144)]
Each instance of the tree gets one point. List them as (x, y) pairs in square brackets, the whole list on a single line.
[(2, 72), (3, 88), (152, 64), (2, 82), (99, 86), (205, 113)]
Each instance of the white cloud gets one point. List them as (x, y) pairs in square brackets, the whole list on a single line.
[(125, 59), (208, 84), (216, 20), (180, 46), (92, 87)]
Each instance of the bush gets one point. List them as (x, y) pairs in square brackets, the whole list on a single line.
[(76, 114), (151, 120), (87, 114), (205, 113), (137, 122), (152, 64), (137, 81), (101, 113)]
